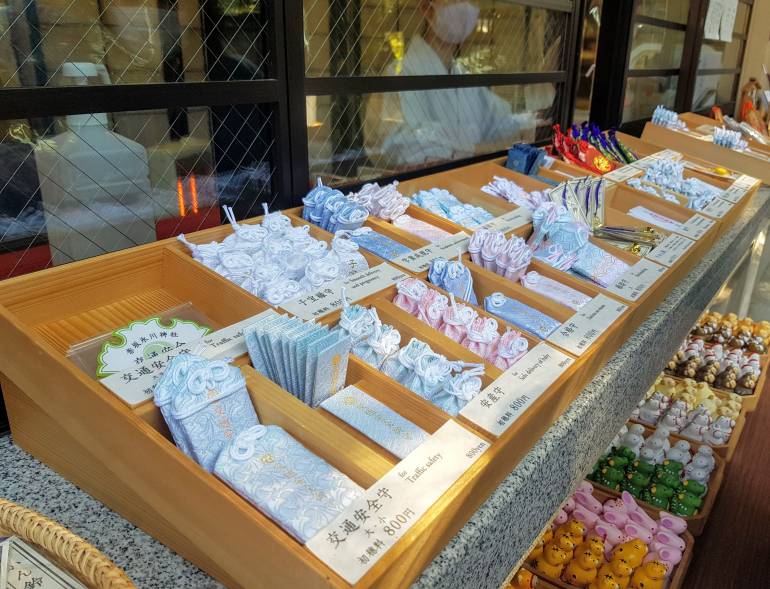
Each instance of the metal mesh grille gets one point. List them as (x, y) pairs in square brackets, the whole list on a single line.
[(145, 41), (371, 37), (360, 137), (72, 191)]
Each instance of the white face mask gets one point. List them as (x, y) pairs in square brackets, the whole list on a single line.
[(453, 23)]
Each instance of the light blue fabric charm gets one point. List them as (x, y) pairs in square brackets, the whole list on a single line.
[(376, 421), (378, 244), (454, 277), (205, 404), (521, 315), (294, 487), (400, 367), (459, 389)]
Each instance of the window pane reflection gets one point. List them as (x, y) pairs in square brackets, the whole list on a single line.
[(711, 90), (418, 37), (717, 55), (79, 186), (359, 137), (644, 94), (656, 47), (670, 10), (137, 42)]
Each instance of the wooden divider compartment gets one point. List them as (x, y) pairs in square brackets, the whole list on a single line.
[(123, 456), (696, 523), (689, 143), (694, 120), (725, 451), (674, 581)]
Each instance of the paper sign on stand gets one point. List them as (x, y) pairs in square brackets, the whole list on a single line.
[(328, 298), (136, 385), (670, 250), (635, 281), (420, 259), (696, 227), (717, 208), (666, 154), (622, 174), (586, 326), (738, 189), (506, 399), (371, 525), (510, 221)]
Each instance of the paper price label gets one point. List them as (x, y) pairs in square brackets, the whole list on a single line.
[(666, 154), (510, 221), (717, 208), (695, 227), (637, 279), (738, 189), (582, 329), (138, 384), (670, 249), (506, 399), (622, 174), (419, 260), (373, 523), (328, 298)]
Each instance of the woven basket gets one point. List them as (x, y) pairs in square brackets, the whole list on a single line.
[(69, 551)]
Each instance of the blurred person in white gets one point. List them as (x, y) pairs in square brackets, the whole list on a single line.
[(437, 125)]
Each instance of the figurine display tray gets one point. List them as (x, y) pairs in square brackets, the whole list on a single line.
[(748, 402), (674, 581), (755, 163), (122, 454), (725, 451), (697, 522)]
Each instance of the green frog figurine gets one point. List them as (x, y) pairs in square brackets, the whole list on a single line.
[(694, 488)]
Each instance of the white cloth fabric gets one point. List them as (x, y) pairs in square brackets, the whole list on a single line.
[(444, 124)]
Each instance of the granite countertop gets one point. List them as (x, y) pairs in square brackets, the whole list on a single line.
[(500, 533)]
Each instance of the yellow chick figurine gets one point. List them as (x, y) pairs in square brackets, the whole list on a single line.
[(620, 569), (632, 551), (606, 581), (552, 561), (581, 570), (651, 575)]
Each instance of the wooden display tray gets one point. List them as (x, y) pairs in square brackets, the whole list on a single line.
[(748, 402), (123, 455), (725, 394), (688, 143), (694, 120), (675, 581), (725, 451), (695, 523)]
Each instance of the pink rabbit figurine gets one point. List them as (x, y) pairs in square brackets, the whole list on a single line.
[(636, 514), (561, 518), (668, 556), (616, 517), (636, 531), (671, 522), (611, 535), (585, 516), (569, 505), (588, 501), (665, 538)]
